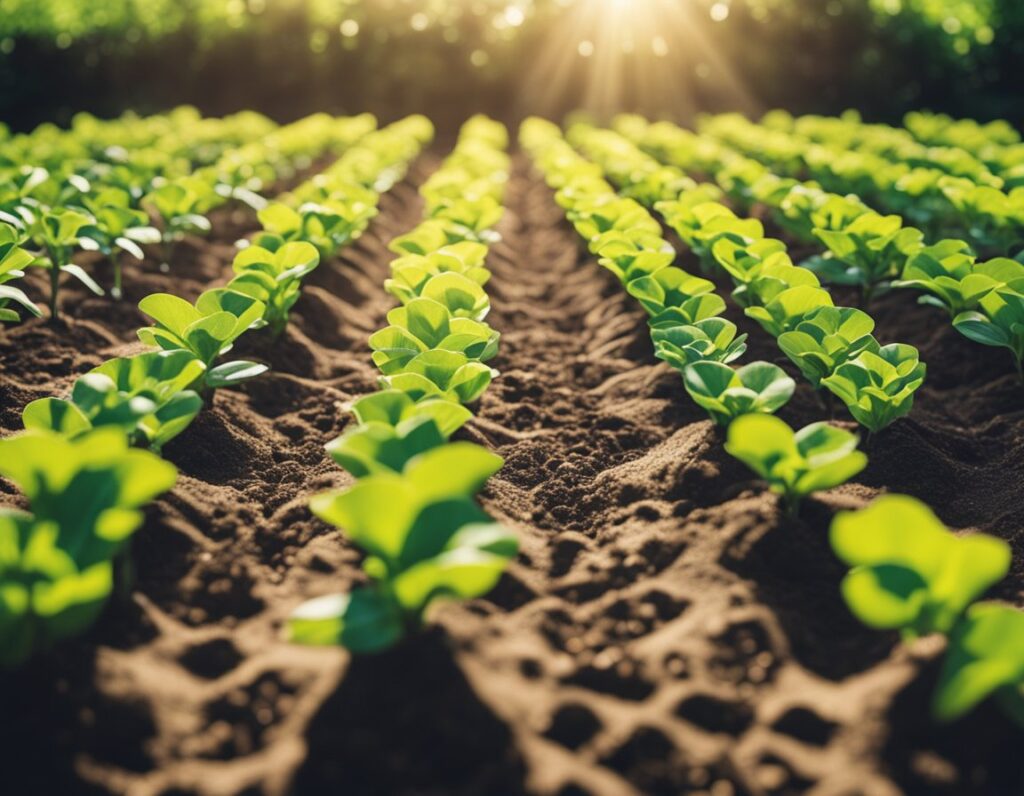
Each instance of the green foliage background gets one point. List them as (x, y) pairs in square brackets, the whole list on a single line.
[(288, 57)]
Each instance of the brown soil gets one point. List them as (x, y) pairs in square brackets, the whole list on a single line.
[(664, 631)]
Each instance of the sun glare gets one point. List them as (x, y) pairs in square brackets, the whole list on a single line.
[(605, 55)]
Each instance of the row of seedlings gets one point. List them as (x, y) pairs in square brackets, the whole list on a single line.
[(908, 572), (88, 464), (833, 347), (943, 191), (127, 199), (985, 300), (685, 326), (412, 507), (84, 188)]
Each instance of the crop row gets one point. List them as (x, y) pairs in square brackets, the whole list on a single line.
[(985, 300), (908, 572), (833, 347), (105, 203), (82, 462), (412, 508)]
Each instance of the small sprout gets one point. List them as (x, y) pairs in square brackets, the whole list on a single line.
[(909, 572), (425, 324), (593, 219), (56, 568), (59, 232), (411, 272), (940, 270), (181, 206), (795, 464), (13, 261), (374, 447), (985, 656), (117, 227), (827, 338), (701, 226), (713, 339), (146, 395), (274, 278), (207, 330), (92, 487), (428, 237), (442, 374), (878, 386), (472, 219), (328, 223), (460, 295), (749, 262), (726, 393), (393, 407), (672, 288), (789, 308), (866, 251), (631, 255), (999, 318), (46, 597), (425, 540)]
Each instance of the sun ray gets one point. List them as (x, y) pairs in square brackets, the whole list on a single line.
[(602, 56)]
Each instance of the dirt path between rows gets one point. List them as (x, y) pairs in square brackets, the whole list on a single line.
[(663, 631)]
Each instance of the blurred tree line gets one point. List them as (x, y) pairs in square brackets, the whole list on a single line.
[(804, 55)]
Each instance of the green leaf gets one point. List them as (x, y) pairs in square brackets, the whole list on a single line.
[(229, 374), (365, 621), (985, 656), (900, 533), (54, 414)]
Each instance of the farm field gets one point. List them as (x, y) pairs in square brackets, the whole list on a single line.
[(547, 397), (665, 627)]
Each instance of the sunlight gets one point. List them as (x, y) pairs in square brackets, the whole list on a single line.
[(601, 56)]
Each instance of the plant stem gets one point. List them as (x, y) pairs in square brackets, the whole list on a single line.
[(165, 266), (116, 292), (54, 282), (867, 292)]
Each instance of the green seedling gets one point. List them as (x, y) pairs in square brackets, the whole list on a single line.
[(59, 232), (13, 261), (672, 288), (878, 386), (45, 596), (726, 393), (788, 309), (442, 374), (148, 396), (867, 251), (274, 278), (207, 330), (713, 339), (795, 464), (827, 338), (410, 273), (940, 271), (425, 539), (117, 228), (985, 657), (91, 487), (909, 572), (423, 325)]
